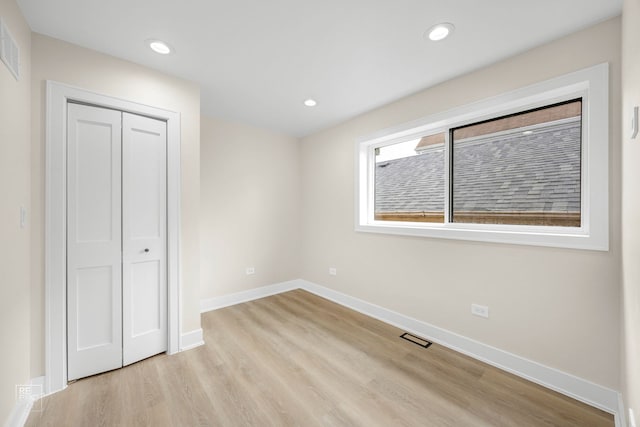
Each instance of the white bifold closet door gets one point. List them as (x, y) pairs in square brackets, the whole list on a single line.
[(116, 239), (144, 237)]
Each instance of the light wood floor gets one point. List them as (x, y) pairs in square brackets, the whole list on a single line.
[(295, 359)]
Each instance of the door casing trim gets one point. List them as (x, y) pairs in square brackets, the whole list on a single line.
[(57, 97)]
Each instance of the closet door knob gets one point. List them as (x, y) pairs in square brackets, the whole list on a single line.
[(146, 249)]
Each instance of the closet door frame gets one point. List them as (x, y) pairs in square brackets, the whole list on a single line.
[(58, 95)]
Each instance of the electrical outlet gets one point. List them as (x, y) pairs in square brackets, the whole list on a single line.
[(333, 271), (480, 310), (632, 418), (250, 271)]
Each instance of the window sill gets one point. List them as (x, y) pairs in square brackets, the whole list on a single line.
[(558, 237)]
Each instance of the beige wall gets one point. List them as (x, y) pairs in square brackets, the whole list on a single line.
[(558, 307), (87, 69), (250, 202), (631, 209), (15, 104)]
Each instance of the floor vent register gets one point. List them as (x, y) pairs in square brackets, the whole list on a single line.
[(416, 340)]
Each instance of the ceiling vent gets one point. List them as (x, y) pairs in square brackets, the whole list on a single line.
[(9, 51)]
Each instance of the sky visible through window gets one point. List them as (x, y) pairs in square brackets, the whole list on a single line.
[(397, 151)]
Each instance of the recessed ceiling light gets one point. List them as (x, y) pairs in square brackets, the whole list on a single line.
[(310, 102), (440, 31), (527, 132), (159, 46)]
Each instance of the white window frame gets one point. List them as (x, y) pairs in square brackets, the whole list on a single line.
[(590, 84)]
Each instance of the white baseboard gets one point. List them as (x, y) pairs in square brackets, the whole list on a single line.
[(580, 389), (19, 414), (192, 339), (22, 408), (621, 414), (554, 379), (250, 295)]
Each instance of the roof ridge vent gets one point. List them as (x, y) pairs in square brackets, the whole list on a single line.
[(9, 51)]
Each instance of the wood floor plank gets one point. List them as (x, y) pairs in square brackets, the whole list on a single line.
[(295, 359)]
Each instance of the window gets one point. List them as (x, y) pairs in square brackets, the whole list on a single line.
[(527, 167), (409, 180), (521, 169)]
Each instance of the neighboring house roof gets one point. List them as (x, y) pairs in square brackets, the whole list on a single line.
[(411, 184), (502, 172)]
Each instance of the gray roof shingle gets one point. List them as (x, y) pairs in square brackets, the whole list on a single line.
[(508, 172)]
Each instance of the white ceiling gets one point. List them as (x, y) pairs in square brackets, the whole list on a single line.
[(258, 60)]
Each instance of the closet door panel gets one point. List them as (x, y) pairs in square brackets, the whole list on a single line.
[(144, 237), (94, 286)]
